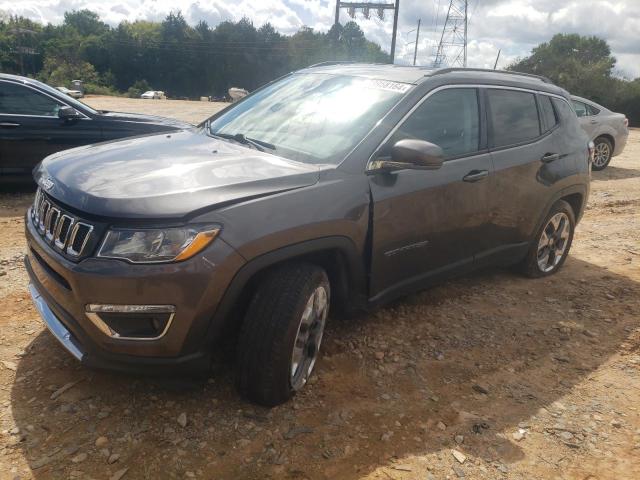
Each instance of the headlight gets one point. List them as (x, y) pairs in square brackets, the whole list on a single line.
[(157, 244)]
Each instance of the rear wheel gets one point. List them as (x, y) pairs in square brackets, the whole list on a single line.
[(282, 332), (551, 245), (602, 154)]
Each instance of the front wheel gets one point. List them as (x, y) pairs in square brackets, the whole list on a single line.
[(602, 154), (282, 332), (551, 245)]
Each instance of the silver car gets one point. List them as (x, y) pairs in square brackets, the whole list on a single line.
[(608, 130)]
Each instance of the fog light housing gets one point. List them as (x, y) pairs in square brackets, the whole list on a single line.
[(131, 322)]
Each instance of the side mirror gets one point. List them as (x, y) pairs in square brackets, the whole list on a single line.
[(412, 154), (68, 113)]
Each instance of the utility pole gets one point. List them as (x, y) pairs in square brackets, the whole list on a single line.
[(366, 7), (466, 24), (395, 31), (452, 49), (415, 49)]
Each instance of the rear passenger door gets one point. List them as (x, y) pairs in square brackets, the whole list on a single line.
[(522, 126)]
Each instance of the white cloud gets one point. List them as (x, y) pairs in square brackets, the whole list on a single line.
[(515, 26)]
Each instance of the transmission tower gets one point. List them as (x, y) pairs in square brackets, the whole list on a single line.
[(452, 49), (366, 8)]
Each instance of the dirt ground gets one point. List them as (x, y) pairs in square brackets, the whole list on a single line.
[(193, 112), (487, 377)]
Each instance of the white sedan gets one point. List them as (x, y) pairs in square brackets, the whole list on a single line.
[(71, 93), (152, 94)]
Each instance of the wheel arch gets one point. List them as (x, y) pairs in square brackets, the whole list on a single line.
[(338, 256), (609, 137), (574, 195), (576, 200)]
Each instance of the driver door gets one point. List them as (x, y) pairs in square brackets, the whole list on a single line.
[(429, 223)]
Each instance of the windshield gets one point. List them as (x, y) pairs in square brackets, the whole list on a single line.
[(311, 118), (69, 100)]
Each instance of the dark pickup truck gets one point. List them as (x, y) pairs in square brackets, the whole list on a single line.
[(336, 187)]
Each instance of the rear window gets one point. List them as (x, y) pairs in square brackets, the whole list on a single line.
[(514, 117), (548, 115)]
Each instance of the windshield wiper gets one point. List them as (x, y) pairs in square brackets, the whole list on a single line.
[(241, 138)]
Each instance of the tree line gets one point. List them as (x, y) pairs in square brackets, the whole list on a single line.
[(584, 66), (182, 60), (191, 61)]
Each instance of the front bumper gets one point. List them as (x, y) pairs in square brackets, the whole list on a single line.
[(62, 289), (55, 326)]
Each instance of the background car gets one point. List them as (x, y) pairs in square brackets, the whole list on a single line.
[(37, 120), (71, 93), (151, 94), (608, 130)]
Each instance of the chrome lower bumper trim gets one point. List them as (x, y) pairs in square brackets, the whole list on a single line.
[(54, 325)]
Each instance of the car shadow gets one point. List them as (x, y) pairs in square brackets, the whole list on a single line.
[(615, 173), (471, 360)]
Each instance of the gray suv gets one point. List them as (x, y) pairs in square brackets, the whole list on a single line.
[(337, 187)]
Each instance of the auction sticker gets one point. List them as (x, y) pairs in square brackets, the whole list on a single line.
[(388, 85)]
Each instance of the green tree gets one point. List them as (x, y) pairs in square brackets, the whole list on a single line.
[(584, 66), (579, 64)]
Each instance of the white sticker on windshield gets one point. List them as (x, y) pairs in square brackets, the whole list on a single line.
[(388, 85)]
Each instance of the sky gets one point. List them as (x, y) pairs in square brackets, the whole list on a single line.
[(514, 26)]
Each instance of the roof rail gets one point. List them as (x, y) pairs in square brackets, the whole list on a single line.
[(330, 62), (509, 72)]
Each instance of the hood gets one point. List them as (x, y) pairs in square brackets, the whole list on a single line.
[(148, 119), (166, 175)]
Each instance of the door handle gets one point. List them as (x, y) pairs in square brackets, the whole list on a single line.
[(550, 157), (593, 122), (475, 175), (9, 125)]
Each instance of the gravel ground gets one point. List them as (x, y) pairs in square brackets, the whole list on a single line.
[(188, 111), (487, 377)]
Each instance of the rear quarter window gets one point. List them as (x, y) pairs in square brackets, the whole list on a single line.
[(547, 112), (513, 116)]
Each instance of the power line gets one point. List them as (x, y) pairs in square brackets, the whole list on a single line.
[(366, 7)]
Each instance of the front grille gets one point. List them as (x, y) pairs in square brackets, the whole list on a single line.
[(59, 228)]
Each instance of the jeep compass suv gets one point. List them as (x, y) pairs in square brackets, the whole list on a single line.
[(334, 187)]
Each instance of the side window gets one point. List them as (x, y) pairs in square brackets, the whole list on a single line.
[(449, 118), (592, 110), (580, 108), (564, 110), (548, 114), (513, 115), (20, 100)]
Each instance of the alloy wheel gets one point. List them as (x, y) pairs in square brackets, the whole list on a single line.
[(601, 154), (553, 242), (309, 336)]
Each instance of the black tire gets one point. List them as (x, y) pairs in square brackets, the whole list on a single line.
[(269, 330), (530, 266), (603, 143)]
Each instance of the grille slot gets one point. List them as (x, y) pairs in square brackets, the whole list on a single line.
[(65, 231)]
